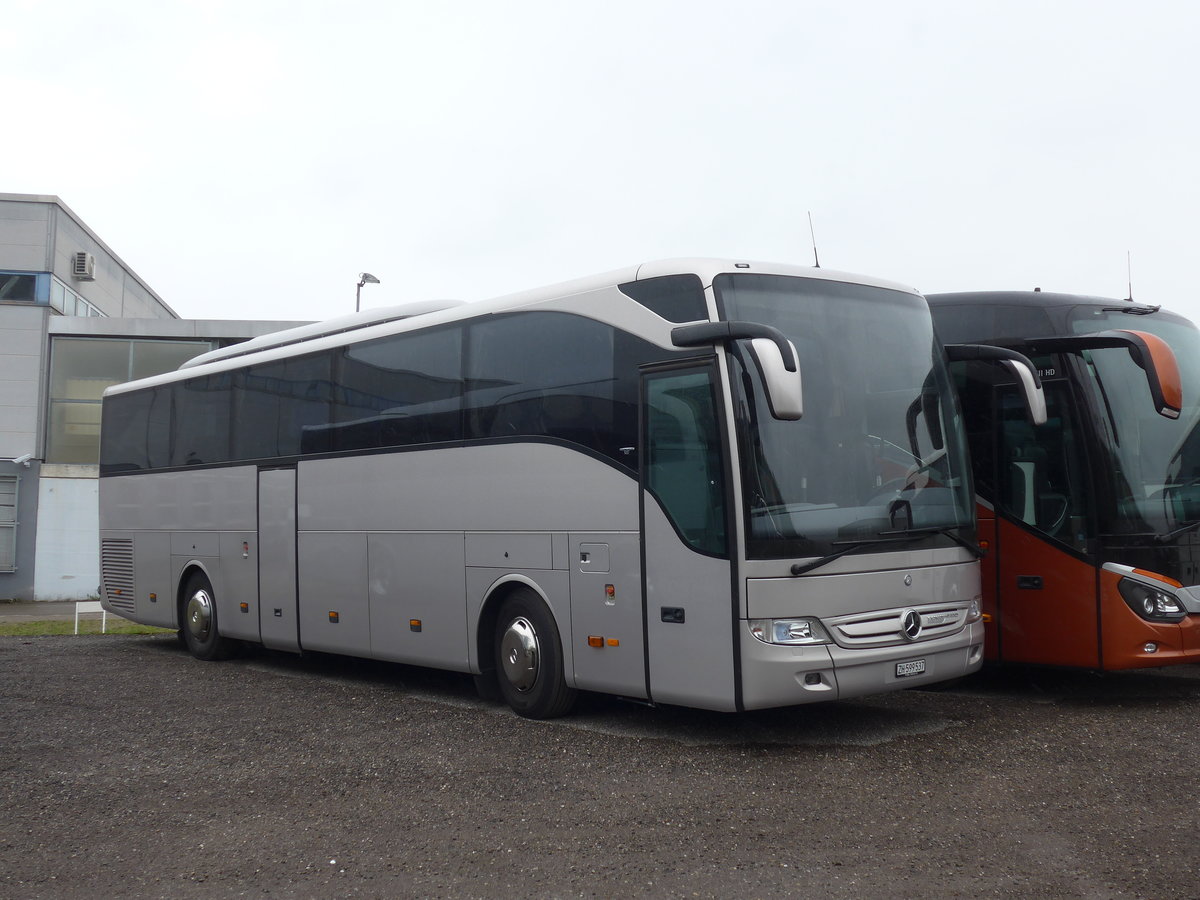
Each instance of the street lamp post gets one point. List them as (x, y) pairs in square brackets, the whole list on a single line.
[(363, 278)]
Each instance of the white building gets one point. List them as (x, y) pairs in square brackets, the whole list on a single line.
[(74, 318)]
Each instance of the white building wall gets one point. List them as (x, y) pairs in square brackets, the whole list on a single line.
[(22, 350), (24, 235), (68, 552), (40, 233)]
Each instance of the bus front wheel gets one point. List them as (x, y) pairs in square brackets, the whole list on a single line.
[(529, 658), (198, 621)]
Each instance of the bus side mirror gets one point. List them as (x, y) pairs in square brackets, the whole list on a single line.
[(1031, 388), (785, 394), (1151, 353), (774, 356), (1019, 364), (927, 405), (1158, 361)]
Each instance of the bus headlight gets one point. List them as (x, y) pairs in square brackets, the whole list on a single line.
[(789, 631), (974, 612), (1151, 602)]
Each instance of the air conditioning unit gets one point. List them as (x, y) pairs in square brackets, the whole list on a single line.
[(83, 266)]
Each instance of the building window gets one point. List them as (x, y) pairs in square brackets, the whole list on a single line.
[(8, 523), (23, 286), (80, 370), (58, 298), (66, 301), (44, 290)]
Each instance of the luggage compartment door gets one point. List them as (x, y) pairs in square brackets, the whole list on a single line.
[(277, 607)]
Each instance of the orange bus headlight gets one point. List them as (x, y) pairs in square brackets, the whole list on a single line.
[(1151, 603), (789, 631)]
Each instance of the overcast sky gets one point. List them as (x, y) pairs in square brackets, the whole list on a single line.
[(249, 158)]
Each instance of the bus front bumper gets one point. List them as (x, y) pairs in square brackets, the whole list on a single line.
[(778, 675)]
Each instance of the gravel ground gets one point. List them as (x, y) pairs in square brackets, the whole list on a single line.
[(132, 770)]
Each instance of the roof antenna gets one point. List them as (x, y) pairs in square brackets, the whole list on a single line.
[(816, 259), (1129, 274)]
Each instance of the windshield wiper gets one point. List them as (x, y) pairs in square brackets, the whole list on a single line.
[(950, 531), (885, 537), (1171, 535), (800, 569), (1133, 310), (891, 537)]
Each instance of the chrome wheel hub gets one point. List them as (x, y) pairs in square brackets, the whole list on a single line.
[(519, 656), (199, 615)]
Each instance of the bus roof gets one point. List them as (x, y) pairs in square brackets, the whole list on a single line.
[(1017, 316), (381, 322), (1029, 298), (314, 330)]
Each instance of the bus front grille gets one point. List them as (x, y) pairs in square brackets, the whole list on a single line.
[(885, 628), (116, 573)]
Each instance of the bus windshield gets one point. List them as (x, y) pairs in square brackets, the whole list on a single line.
[(1155, 461), (879, 451)]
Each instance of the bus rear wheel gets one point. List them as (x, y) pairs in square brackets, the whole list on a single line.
[(529, 658), (198, 621)]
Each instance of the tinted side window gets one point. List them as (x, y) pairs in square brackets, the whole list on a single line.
[(631, 353), (540, 374), (283, 408), (123, 436), (136, 432), (399, 390), (677, 298), (684, 469), (203, 411), (158, 428), (546, 374)]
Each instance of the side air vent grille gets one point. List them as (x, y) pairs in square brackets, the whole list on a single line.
[(116, 573)]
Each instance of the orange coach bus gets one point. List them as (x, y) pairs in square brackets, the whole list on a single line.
[(1092, 521)]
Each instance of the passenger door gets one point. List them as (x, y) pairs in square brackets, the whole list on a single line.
[(1048, 604), (689, 597)]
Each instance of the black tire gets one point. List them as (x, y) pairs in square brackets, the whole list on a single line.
[(198, 621), (529, 658), (487, 686)]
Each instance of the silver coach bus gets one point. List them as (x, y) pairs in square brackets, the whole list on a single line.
[(611, 485)]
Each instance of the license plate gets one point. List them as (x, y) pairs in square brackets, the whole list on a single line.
[(912, 667)]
